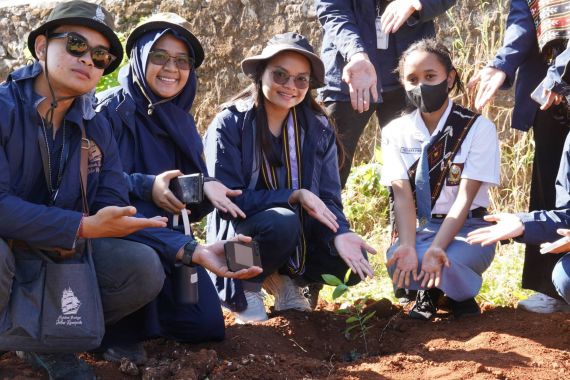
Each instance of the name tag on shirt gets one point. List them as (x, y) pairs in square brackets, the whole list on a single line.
[(405, 150), (381, 37)]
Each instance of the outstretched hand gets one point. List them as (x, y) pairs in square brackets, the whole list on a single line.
[(432, 264), (213, 258), (507, 226), (406, 260), (114, 221), (349, 247), (360, 75), (315, 207), (219, 195), (563, 248), (489, 79)]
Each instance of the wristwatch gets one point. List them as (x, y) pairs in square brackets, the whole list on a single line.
[(189, 249)]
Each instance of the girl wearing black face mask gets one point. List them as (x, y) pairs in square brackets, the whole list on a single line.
[(440, 160)]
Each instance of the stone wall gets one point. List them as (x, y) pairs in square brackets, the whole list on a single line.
[(230, 30)]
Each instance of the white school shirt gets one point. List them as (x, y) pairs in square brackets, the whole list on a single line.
[(402, 139)]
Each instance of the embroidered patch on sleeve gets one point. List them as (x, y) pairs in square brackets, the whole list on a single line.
[(95, 158)]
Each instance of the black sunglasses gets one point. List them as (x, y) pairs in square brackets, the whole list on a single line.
[(301, 81), (161, 58), (77, 46)]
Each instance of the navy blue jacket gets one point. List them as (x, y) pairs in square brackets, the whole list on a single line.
[(520, 56), (22, 216), (540, 226), (119, 109), (349, 28), (230, 158)]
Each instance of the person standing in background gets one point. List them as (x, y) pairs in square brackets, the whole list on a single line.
[(532, 48), (362, 43)]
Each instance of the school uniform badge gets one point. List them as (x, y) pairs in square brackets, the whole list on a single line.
[(454, 176)]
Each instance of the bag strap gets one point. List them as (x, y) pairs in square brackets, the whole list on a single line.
[(455, 132), (83, 168), (436, 191)]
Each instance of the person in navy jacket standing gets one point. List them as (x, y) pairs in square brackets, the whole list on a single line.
[(158, 141), (534, 58), (362, 43), (275, 144)]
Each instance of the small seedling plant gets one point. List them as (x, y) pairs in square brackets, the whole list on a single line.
[(357, 319)]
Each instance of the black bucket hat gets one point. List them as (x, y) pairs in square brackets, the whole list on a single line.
[(287, 42), (86, 14), (167, 20)]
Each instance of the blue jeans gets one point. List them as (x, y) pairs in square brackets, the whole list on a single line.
[(561, 277)]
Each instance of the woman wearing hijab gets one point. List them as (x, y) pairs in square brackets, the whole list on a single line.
[(158, 141)]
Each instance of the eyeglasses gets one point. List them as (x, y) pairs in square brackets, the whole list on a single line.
[(282, 78), (77, 46), (161, 58)]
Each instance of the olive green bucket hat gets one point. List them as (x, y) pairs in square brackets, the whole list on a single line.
[(86, 14)]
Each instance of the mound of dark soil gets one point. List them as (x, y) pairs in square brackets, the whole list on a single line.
[(503, 343)]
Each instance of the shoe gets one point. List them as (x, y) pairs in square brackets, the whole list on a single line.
[(134, 353), (424, 309), (541, 303), (255, 311), (465, 308), (59, 366), (287, 294), (311, 293), (405, 296)]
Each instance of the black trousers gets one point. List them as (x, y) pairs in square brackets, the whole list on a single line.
[(350, 124), (550, 130), (276, 230)]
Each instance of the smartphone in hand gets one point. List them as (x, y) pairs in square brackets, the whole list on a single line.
[(557, 244), (242, 255), (188, 188)]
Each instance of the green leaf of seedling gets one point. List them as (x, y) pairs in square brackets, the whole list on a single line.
[(339, 291), (331, 280), (347, 275), (351, 319), (350, 328), (368, 316)]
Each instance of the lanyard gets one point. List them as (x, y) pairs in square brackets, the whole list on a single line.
[(293, 166), (292, 151), (46, 159)]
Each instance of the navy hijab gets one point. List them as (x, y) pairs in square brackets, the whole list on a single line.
[(166, 138)]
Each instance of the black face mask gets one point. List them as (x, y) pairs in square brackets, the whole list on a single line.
[(428, 98)]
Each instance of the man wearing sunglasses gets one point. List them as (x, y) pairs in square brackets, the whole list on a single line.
[(49, 120), (46, 106)]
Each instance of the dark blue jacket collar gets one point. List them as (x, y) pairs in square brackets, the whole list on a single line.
[(81, 109)]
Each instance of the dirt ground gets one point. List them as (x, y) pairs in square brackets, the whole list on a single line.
[(503, 343)]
